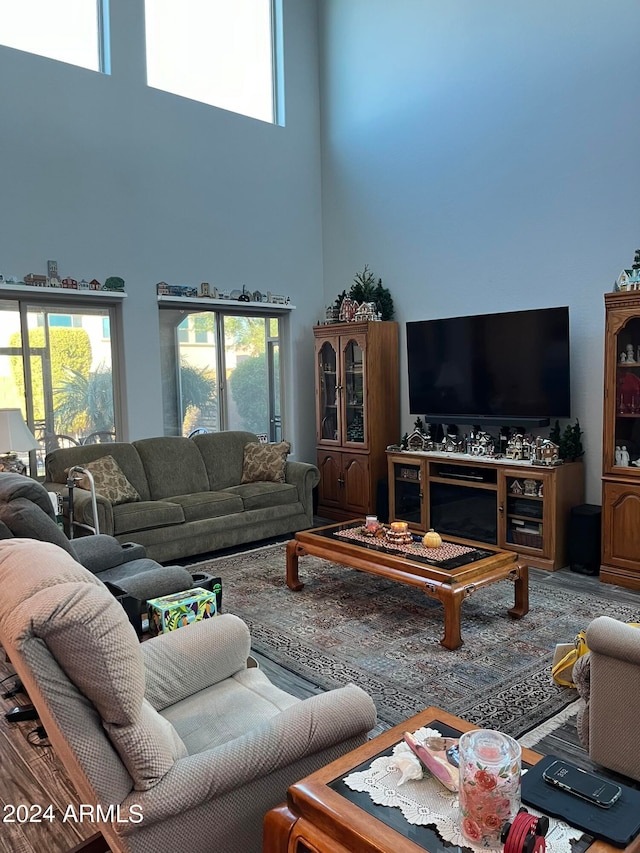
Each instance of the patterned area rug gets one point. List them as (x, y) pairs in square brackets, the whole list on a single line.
[(346, 626)]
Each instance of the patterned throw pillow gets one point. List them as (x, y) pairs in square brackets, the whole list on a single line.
[(264, 462), (109, 480)]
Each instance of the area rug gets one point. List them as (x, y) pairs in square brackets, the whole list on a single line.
[(348, 626)]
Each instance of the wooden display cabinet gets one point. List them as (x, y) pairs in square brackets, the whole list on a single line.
[(621, 441), (516, 506), (357, 413)]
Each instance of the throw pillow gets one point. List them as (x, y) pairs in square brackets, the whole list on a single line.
[(264, 462), (109, 480)]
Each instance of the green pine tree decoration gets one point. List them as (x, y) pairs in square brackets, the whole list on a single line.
[(569, 441), (365, 288), (339, 300), (404, 441), (419, 424)]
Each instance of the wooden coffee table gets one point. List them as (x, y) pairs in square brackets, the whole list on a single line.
[(323, 815), (449, 585)]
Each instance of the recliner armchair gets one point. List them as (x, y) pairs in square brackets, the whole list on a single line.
[(177, 729), (608, 681), (26, 511)]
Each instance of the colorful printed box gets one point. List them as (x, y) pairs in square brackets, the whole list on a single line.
[(180, 608)]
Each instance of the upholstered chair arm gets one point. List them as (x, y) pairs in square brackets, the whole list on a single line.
[(99, 553), (304, 729), (607, 636), (613, 696), (304, 477), (182, 662)]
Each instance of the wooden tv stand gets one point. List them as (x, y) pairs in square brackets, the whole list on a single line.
[(514, 505)]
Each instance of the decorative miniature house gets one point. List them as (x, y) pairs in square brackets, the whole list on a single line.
[(628, 280), (519, 447), (516, 488), (481, 444), (417, 440), (546, 452), (453, 444)]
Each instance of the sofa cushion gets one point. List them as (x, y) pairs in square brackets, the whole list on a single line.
[(223, 454), (26, 520), (265, 462), (263, 495), (109, 480), (124, 453), (207, 505), (173, 466), (144, 515)]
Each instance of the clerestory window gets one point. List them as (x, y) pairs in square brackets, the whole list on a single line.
[(218, 52), (73, 31)]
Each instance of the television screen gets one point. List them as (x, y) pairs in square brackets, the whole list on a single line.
[(506, 368)]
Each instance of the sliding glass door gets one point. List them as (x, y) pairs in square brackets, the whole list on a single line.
[(56, 366), (220, 372)]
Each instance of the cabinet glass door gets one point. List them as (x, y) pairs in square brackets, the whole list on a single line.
[(407, 493), (525, 509), (328, 393), (625, 452), (353, 393)]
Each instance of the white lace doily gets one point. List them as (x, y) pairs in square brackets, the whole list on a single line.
[(426, 802)]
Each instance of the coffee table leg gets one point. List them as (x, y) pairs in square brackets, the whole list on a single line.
[(451, 602), (521, 593), (293, 552)]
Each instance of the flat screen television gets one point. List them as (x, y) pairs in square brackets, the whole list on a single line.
[(506, 368)]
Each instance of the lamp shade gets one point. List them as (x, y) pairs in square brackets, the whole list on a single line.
[(14, 433)]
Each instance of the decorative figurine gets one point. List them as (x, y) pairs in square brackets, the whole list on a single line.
[(631, 359), (624, 455), (618, 456), (623, 358)]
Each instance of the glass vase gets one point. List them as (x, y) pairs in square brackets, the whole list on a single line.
[(490, 764)]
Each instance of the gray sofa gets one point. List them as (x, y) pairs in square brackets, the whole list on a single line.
[(191, 496)]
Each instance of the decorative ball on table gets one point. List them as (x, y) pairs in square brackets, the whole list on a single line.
[(431, 539)]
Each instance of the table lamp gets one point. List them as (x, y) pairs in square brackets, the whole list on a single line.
[(15, 435)]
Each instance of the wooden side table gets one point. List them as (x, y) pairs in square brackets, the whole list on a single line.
[(322, 815)]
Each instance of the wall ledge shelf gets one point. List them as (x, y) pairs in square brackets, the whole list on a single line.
[(38, 292), (213, 303)]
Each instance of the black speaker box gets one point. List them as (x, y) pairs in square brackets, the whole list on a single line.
[(584, 539)]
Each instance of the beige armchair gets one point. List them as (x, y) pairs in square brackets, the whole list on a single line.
[(188, 746), (608, 681)]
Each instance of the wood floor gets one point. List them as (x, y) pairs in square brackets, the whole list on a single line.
[(31, 775)]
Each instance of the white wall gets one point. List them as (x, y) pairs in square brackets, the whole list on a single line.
[(484, 157), (110, 177)]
